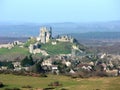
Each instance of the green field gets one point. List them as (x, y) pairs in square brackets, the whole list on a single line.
[(12, 54), (12, 81), (15, 50), (59, 48)]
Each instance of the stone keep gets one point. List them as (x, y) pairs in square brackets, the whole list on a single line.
[(45, 34)]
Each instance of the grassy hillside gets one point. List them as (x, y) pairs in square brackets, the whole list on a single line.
[(15, 50), (12, 81), (14, 53), (30, 41), (59, 48)]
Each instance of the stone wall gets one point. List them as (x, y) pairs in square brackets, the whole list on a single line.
[(45, 34)]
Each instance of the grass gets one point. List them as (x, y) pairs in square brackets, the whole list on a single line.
[(11, 81), (15, 50), (59, 48), (30, 41), (13, 54)]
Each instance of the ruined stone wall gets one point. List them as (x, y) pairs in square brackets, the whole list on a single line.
[(45, 34)]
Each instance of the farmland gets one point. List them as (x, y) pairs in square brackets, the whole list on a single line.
[(96, 83)]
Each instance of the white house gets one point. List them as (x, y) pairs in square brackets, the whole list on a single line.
[(47, 62)]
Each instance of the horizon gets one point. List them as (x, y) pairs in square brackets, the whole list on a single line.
[(48, 23)]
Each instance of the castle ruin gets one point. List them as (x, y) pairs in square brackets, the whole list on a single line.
[(65, 38), (45, 34), (44, 37)]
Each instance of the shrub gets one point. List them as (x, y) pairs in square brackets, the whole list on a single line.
[(64, 89), (1, 85), (80, 75), (27, 61), (43, 75), (74, 76), (19, 73), (27, 86), (15, 89), (48, 88), (12, 89), (101, 74), (56, 83)]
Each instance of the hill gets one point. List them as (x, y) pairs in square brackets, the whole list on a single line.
[(60, 48), (16, 53), (5, 40), (31, 29), (97, 35)]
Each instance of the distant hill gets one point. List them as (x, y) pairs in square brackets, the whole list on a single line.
[(19, 30), (97, 35), (32, 29), (4, 40)]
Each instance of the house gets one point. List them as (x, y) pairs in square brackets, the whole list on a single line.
[(18, 69), (112, 72), (26, 68), (16, 64), (67, 63), (3, 68), (54, 69), (47, 62), (103, 55), (104, 66), (91, 63), (72, 71), (85, 66)]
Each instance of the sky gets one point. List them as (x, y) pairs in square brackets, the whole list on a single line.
[(49, 11)]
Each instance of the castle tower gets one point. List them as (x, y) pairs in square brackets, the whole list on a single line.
[(48, 34), (31, 48), (45, 34)]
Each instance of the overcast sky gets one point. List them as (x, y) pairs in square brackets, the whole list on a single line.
[(44, 11)]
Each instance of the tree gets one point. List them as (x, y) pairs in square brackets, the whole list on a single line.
[(62, 67), (27, 61), (0, 64), (10, 66), (1, 84), (37, 68)]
